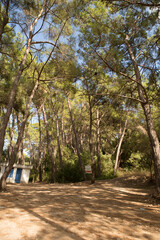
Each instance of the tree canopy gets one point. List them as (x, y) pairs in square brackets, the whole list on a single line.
[(79, 85)]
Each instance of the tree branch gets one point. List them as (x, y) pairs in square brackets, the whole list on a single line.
[(41, 42), (118, 72), (150, 4)]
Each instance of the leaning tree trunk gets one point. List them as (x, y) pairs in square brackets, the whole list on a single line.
[(15, 83), (155, 145), (19, 140), (81, 129), (98, 145), (20, 151), (62, 130), (40, 148), (32, 156), (58, 143), (11, 129), (49, 146), (57, 133), (120, 144), (91, 141), (76, 140)]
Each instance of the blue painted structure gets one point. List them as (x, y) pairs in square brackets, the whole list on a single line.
[(18, 175)]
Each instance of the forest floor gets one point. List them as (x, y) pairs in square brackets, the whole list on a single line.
[(117, 209)]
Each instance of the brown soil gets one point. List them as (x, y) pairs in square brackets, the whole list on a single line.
[(119, 209)]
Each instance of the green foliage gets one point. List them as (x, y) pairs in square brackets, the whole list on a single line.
[(89, 61), (86, 158), (136, 161), (106, 166), (70, 173), (108, 175), (107, 163), (4, 155)]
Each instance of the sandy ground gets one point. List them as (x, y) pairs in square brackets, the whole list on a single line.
[(114, 209)]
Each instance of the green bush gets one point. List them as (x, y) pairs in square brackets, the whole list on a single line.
[(107, 175), (86, 158), (137, 161), (106, 164), (71, 172), (106, 167)]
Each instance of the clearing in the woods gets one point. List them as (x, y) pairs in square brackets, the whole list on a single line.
[(118, 209)]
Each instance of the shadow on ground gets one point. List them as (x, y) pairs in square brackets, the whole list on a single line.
[(106, 210)]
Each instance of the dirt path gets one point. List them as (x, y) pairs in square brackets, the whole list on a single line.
[(114, 210)]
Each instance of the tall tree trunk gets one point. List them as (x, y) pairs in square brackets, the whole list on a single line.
[(20, 151), (57, 133), (76, 140), (49, 146), (18, 127), (31, 152), (44, 156), (120, 144), (15, 83), (22, 147), (98, 145), (81, 130), (81, 141), (91, 140), (54, 152), (58, 143), (154, 141), (62, 129), (19, 140), (11, 129), (32, 157), (40, 148)]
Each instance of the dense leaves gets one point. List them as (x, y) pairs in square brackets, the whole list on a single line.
[(96, 66)]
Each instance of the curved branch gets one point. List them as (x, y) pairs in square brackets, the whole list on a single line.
[(41, 42), (133, 2), (121, 73)]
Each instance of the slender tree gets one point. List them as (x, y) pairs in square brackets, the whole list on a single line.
[(18, 143), (17, 78), (76, 138), (40, 146), (49, 146), (120, 144), (122, 42)]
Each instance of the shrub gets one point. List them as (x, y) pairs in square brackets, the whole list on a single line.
[(71, 172)]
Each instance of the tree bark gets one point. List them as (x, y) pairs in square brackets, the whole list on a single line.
[(119, 145), (58, 143), (57, 133), (44, 156), (40, 148), (91, 141), (20, 151), (76, 140), (54, 152), (81, 129), (19, 140), (62, 128), (15, 83), (49, 146), (98, 145), (148, 115), (11, 129)]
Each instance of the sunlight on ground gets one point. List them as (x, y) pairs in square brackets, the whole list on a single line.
[(84, 212)]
